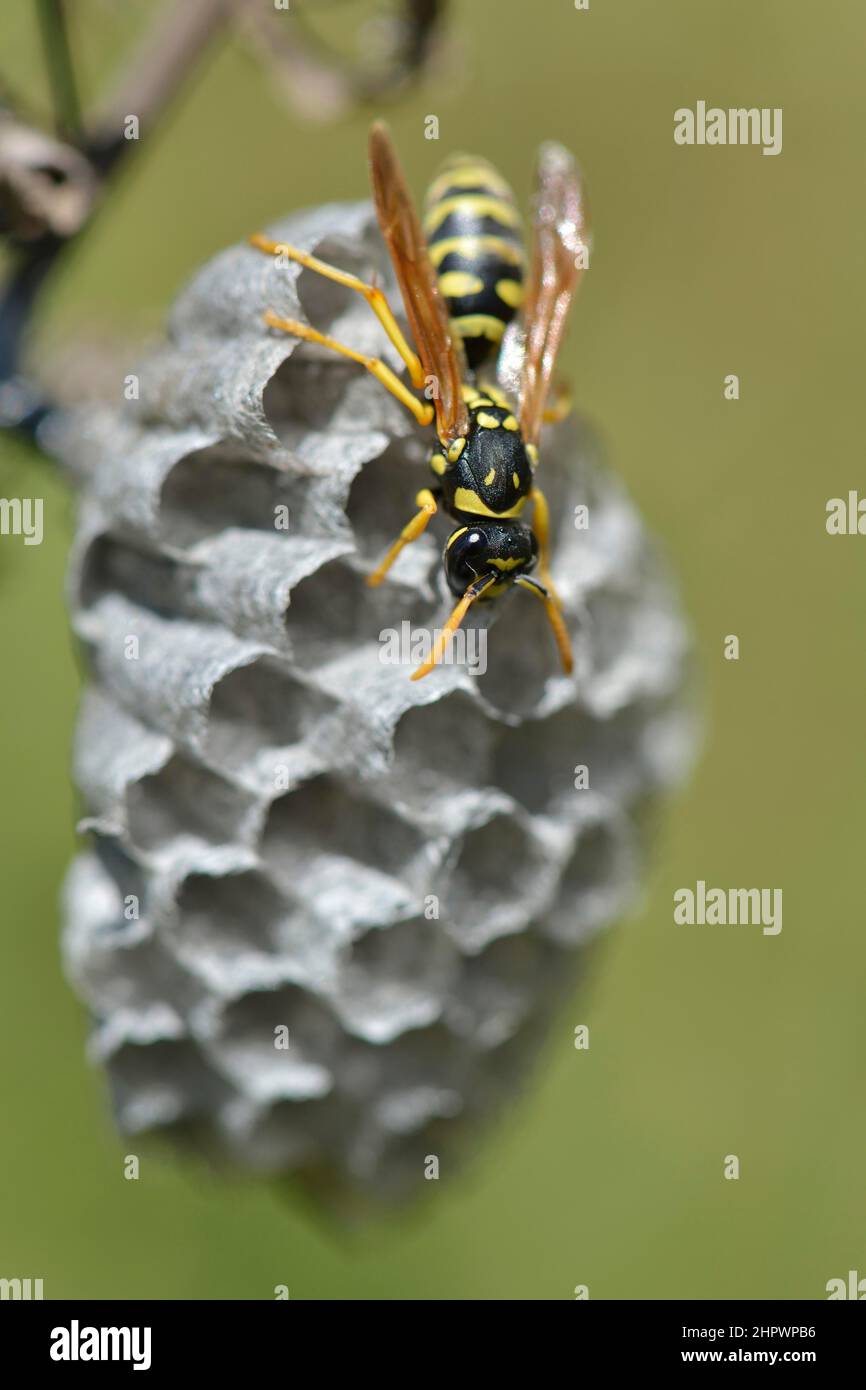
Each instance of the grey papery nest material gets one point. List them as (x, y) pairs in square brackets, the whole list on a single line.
[(280, 803)]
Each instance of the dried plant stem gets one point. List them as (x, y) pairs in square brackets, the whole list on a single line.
[(58, 60), (162, 66)]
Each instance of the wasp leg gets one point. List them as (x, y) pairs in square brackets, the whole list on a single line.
[(559, 407), (541, 527), (475, 590), (374, 297), (411, 531), (423, 413), (554, 616)]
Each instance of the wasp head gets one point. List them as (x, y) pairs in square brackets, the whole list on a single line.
[(471, 552)]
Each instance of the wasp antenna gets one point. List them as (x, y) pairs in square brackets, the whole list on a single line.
[(474, 591), (554, 617)]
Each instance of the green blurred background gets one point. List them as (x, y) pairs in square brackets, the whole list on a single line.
[(704, 1041)]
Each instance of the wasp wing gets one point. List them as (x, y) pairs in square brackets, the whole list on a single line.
[(509, 363), (441, 355), (559, 256)]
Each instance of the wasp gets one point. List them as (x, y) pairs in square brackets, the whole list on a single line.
[(489, 373)]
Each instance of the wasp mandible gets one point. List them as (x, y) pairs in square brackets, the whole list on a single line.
[(462, 285)]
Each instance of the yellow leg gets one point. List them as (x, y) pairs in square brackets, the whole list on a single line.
[(559, 407), (560, 631), (423, 413), (541, 527), (374, 297), (472, 593), (411, 531)]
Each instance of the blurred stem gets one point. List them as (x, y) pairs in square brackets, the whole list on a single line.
[(162, 63), (170, 50), (161, 66), (61, 72)]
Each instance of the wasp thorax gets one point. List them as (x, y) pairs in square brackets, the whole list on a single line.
[(489, 472), (472, 552)]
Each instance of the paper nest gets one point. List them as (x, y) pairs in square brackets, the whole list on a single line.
[(270, 808)]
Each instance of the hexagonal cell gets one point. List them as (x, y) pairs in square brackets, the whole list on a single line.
[(277, 1138), (311, 829), (463, 739), (596, 885), (223, 920), (410, 1109), (535, 763), (424, 1060), (521, 655), (503, 1070), (306, 393), (495, 885), (408, 1125), (249, 1045), (129, 877), (324, 301), (377, 1170), (611, 626), (499, 988), (332, 612), (386, 1151), (394, 979), (217, 488), (183, 799), (111, 566), (571, 472), (635, 645), (404, 1160), (131, 971), (382, 500), (259, 707), (308, 388), (160, 1083)]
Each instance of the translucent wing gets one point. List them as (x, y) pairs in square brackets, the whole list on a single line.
[(509, 363), (441, 355), (559, 256)]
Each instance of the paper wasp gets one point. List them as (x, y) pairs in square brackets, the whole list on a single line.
[(461, 288)]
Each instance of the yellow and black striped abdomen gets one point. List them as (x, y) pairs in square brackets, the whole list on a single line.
[(473, 232)]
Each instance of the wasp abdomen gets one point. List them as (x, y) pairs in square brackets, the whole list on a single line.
[(473, 233)]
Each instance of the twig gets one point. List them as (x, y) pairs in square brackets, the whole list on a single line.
[(320, 82), (95, 149), (165, 60), (166, 57), (58, 60)]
